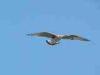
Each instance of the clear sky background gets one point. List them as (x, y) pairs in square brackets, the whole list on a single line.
[(23, 55)]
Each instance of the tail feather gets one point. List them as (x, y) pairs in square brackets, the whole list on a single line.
[(51, 43)]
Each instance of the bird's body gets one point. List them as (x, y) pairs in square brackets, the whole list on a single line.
[(54, 39)]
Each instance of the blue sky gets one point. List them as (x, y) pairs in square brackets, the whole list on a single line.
[(23, 55)]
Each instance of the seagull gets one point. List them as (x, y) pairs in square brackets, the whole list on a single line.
[(54, 39)]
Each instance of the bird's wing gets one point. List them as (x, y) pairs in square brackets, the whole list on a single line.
[(74, 37), (43, 34)]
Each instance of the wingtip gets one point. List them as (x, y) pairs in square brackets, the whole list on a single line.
[(29, 34), (86, 39)]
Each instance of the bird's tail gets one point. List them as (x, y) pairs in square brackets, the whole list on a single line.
[(51, 43)]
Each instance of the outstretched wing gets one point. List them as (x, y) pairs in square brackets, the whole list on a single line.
[(74, 37), (43, 34)]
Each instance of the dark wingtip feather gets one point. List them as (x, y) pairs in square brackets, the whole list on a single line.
[(86, 39), (29, 34)]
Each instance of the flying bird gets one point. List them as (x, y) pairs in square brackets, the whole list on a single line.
[(54, 39)]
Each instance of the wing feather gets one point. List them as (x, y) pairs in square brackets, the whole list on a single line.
[(74, 37), (42, 34)]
